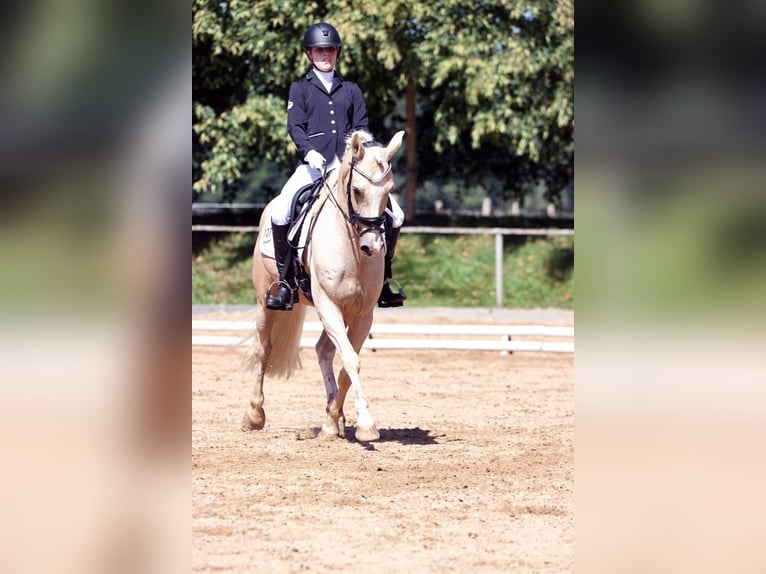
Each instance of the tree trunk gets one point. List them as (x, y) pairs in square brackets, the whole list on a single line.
[(412, 165)]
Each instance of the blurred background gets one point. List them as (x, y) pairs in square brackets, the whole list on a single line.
[(94, 234), (94, 297), (670, 368), (485, 92)]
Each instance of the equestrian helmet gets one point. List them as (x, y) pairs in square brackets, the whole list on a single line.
[(321, 35)]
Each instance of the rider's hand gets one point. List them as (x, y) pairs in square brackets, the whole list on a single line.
[(315, 159)]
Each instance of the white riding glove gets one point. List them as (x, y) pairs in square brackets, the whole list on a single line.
[(315, 159)]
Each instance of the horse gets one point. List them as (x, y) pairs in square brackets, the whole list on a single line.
[(341, 248)]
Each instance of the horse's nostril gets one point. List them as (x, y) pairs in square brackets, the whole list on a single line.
[(366, 250)]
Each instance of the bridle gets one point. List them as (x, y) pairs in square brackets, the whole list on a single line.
[(362, 224)]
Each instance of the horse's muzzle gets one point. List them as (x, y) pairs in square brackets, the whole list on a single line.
[(367, 250), (372, 244)]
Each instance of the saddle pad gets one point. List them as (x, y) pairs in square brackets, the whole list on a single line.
[(267, 241)]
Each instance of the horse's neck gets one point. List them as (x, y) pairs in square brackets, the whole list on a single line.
[(328, 207)]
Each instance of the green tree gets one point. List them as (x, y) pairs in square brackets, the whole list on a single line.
[(493, 83), (500, 85)]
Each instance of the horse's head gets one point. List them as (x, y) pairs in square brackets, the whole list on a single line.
[(366, 172)]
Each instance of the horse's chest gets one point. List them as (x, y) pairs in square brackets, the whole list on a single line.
[(341, 284)]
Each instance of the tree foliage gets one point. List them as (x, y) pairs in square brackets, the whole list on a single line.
[(495, 85)]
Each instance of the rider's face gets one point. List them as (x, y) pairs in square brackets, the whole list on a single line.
[(323, 58)]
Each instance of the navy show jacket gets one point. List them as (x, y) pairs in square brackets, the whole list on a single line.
[(321, 121)]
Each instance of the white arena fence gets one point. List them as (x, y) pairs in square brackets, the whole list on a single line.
[(503, 338), (498, 232)]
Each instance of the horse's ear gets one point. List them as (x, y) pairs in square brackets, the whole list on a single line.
[(357, 149), (394, 145)]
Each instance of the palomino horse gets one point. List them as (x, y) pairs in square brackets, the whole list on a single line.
[(343, 244)]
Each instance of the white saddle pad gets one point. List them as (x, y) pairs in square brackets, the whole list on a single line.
[(267, 240)]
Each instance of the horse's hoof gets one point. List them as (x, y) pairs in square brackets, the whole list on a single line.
[(367, 434), (253, 420), (330, 429)]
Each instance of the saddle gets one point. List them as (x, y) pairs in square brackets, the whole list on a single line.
[(301, 206), (303, 202)]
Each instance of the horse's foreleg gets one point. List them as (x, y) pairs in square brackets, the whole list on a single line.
[(350, 376), (348, 343), (336, 422)]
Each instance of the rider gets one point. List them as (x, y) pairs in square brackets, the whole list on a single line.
[(323, 108)]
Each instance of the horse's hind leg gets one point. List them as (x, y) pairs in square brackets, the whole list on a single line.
[(344, 383), (255, 417), (336, 420)]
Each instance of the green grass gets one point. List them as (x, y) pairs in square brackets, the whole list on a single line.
[(434, 270), (221, 269)]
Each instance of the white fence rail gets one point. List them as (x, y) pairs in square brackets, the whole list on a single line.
[(413, 336)]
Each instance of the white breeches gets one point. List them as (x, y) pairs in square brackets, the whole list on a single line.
[(303, 176)]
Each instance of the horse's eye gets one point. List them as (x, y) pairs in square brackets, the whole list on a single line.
[(357, 191)]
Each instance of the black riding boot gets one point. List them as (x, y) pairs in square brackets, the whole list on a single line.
[(389, 298), (286, 293)]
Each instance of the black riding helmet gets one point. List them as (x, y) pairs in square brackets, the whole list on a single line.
[(321, 35)]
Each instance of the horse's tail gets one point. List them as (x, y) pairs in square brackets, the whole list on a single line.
[(285, 355), (286, 334)]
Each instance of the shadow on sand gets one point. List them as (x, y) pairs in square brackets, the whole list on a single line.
[(406, 436), (411, 436)]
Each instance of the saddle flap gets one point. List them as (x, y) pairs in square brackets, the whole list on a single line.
[(302, 203)]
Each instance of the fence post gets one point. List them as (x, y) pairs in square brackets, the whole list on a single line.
[(498, 269), (486, 207)]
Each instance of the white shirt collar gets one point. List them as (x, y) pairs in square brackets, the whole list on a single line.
[(325, 77)]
